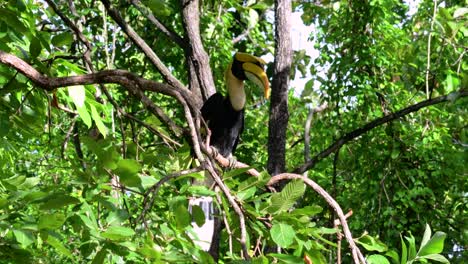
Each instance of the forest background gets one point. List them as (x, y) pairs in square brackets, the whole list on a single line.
[(99, 128)]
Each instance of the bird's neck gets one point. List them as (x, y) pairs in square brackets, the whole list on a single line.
[(236, 92)]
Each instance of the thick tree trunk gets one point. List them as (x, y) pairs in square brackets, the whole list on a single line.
[(279, 114), (200, 75)]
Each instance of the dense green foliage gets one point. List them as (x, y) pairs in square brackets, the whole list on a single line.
[(60, 201)]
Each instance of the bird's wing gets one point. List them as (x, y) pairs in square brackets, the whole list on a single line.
[(212, 106), (240, 132)]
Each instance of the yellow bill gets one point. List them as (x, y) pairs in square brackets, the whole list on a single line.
[(257, 75)]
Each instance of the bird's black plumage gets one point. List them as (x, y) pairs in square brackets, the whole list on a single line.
[(225, 123)]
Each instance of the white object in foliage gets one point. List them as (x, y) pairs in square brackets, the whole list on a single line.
[(203, 233)]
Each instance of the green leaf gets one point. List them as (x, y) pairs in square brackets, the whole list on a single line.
[(287, 197), (3, 202), (411, 247), (88, 217), (317, 257), (98, 121), (372, 244), (51, 221), (198, 215), (309, 210), (426, 237), (393, 255), (182, 216), (84, 115), (117, 217), (15, 180), (54, 242), (404, 251), (100, 256), (35, 47), (4, 125), (377, 259), (436, 257), (63, 39), (434, 245), (13, 21), (118, 233), (287, 259), (282, 234), (200, 190), (395, 153), (25, 238), (127, 170), (77, 94), (252, 18), (58, 201), (246, 194), (29, 183)]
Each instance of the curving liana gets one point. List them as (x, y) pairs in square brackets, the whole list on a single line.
[(225, 119)]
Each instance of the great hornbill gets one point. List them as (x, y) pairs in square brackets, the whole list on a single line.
[(225, 115), (225, 119)]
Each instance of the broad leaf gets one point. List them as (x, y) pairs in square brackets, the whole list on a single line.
[(117, 233), (127, 170), (25, 238), (377, 259), (282, 234), (434, 246)]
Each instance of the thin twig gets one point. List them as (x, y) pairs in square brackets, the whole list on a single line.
[(150, 194), (226, 223), (428, 67), (172, 35), (68, 136), (340, 236)]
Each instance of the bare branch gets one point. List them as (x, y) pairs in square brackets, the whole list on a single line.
[(163, 28), (377, 122), (356, 253), (167, 75), (242, 35)]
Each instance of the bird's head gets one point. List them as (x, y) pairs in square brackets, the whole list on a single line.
[(245, 66)]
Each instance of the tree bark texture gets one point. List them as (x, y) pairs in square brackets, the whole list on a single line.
[(200, 75), (279, 114)]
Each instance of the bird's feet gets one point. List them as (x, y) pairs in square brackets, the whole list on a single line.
[(232, 161), (214, 152)]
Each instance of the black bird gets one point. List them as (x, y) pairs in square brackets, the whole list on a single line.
[(225, 115), (225, 118)]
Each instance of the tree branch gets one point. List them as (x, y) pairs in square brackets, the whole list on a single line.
[(356, 253), (201, 77), (377, 122), (136, 85), (167, 75), (163, 28)]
